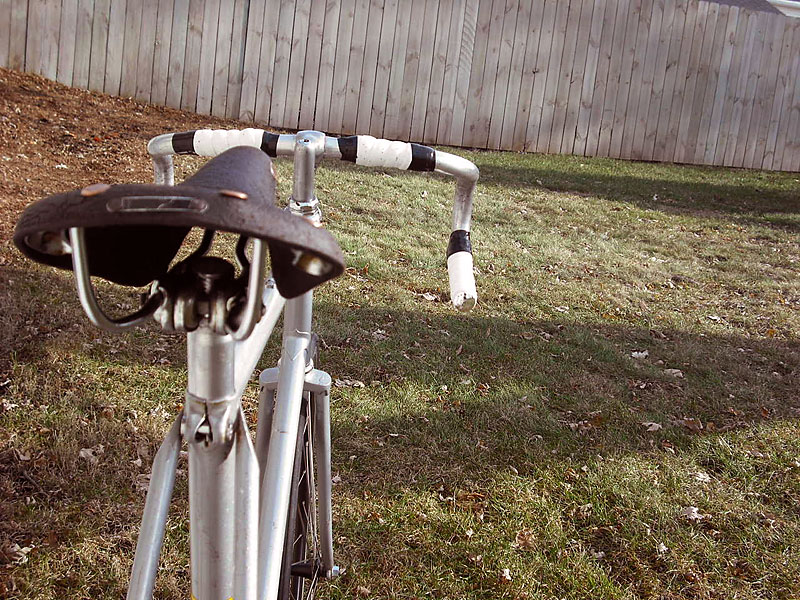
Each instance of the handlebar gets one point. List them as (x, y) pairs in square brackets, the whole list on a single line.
[(363, 150)]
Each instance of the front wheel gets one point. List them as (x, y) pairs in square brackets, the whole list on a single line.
[(302, 565)]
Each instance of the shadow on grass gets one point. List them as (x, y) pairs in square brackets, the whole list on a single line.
[(769, 199), (472, 390), (448, 399)]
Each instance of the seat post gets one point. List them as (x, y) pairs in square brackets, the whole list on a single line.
[(211, 413)]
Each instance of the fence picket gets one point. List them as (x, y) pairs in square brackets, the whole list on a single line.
[(424, 84), (708, 75), (765, 92), (308, 92), (712, 136), (659, 78), (5, 31), (599, 88), (648, 76), (355, 63), (792, 83), (340, 66), (326, 65), (144, 62), (433, 105), (498, 69), (66, 41), (97, 60), (297, 63), (368, 74), (18, 20), (748, 100)]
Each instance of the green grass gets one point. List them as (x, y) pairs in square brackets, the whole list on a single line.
[(511, 437)]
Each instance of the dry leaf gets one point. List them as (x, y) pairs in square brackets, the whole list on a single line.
[(91, 455), (348, 383), (692, 513), (695, 425), (652, 426), (677, 373), (702, 477), (525, 540)]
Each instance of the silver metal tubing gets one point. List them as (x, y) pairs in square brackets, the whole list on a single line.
[(285, 145), (83, 281), (212, 522), (466, 175), (211, 413), (247, 505), (332, 148), (266, 402), (277, 482), (248, 351), (164, 169), (210, 359), (154, 519), (161, 145), (322, 456), (255, 285), (309, 146)]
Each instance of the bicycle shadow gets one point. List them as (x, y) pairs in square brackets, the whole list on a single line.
[(492, 393)]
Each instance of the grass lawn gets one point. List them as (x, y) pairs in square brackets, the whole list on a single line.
[(618, 418)]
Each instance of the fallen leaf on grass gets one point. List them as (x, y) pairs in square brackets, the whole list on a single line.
[(702, 477), (348, 383), (142, 482), (18, 554), (92, 455), (677, 373), (525, 540), (652, 426), (692, 513), (695, 425), (640, 355)]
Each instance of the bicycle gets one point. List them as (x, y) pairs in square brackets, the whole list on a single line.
[(260, 511)]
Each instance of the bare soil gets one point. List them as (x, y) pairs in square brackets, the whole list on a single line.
[(54, 138)]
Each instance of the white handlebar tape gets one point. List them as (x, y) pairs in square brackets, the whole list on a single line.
[(459, 270), (211, 142), (462, 281), (368, 151)]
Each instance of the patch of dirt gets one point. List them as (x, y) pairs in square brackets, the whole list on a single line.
[(54, 138)]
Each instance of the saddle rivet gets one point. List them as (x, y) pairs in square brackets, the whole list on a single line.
[(233, 194), (94, 189)]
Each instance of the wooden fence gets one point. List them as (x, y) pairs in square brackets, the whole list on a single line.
[(664, 80)]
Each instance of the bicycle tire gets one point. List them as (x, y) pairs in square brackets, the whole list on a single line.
[(301, 566)]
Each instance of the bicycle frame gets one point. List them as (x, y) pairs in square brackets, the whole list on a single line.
[(239, 491)]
